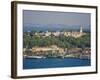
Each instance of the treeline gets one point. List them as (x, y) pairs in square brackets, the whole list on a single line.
[(61, 41)]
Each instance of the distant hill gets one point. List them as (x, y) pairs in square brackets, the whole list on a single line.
[(54, 27)]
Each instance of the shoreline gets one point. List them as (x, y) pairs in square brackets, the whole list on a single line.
[(28, 57)]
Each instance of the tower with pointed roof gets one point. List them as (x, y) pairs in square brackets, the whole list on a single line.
[(81, 29)]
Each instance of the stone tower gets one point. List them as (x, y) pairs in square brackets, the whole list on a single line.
[(81, 30)]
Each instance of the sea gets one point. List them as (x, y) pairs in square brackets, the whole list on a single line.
[(32, 63)]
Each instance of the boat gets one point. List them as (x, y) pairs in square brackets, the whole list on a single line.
[(85, 57), (34, 57)]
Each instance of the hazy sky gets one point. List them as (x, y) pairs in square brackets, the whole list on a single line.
[(51, 17)]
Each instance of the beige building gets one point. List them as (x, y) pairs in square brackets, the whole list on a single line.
[(75, 34), (53, 49)]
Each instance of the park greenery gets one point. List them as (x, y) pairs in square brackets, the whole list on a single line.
[(61, 41)]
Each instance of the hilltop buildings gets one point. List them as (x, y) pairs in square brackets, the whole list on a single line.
[(74, 34), (55, 51)]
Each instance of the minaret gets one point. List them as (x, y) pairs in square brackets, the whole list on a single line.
[(81, 31)]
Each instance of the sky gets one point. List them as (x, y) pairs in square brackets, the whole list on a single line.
[(32, 17)]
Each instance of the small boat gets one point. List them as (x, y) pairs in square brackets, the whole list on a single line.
[(34, 57), (85, 57)]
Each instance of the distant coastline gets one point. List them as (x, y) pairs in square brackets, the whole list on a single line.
[(54, 27)]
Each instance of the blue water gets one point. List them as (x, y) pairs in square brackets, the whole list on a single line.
[(54, 63)]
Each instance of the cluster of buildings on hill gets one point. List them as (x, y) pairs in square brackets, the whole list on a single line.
[(74, 34), (55, 51)]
